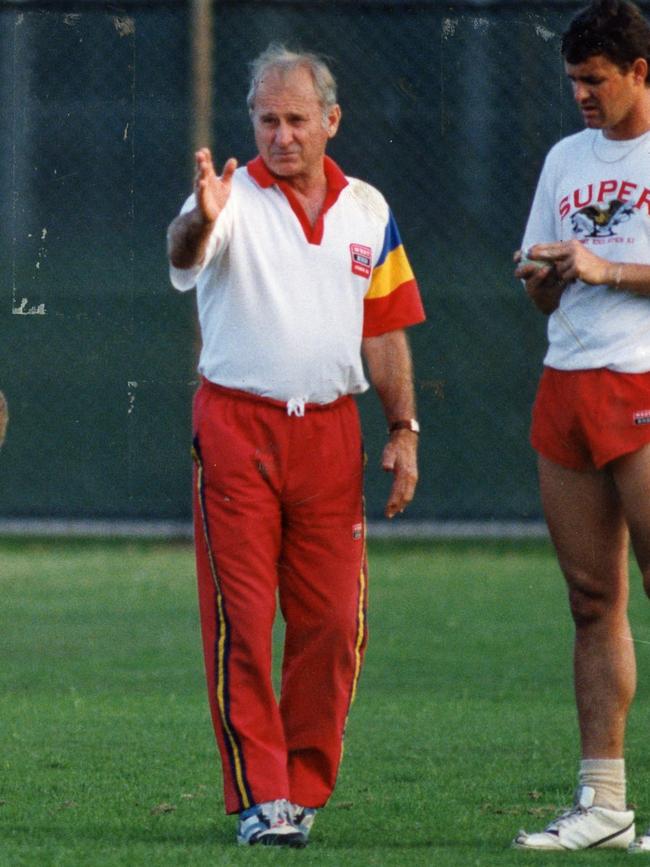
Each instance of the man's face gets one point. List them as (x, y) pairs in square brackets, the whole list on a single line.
[(606, 95), (288, 124)]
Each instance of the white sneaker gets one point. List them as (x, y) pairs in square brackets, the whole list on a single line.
[(270, 824), (583, 827), (303, 818), (641, 844)]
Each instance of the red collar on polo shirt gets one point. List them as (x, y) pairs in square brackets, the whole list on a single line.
[(336, 181)]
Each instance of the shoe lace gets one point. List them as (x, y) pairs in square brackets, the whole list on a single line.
[(569, 817), (278, 813)]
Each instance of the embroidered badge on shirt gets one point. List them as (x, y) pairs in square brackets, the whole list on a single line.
[(642, 416), (361, 260)]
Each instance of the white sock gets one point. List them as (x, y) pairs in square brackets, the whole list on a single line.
[(607, 778)]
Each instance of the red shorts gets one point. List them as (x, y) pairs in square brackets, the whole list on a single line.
[(583, 419)]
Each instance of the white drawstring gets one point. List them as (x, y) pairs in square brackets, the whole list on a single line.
[(296, 406)]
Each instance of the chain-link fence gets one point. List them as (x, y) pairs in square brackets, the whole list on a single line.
[(448, 109)]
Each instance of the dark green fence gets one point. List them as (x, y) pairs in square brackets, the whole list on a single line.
[(448, 109)]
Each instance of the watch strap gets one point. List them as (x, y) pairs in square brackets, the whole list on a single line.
[(404, 424)]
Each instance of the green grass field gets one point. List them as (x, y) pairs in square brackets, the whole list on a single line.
[(462, 732)]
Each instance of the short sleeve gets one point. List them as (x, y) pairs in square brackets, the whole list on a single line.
[(541, 228), (393, 298), (185, 279)]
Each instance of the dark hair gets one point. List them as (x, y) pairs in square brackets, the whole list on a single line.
[(614, 28)]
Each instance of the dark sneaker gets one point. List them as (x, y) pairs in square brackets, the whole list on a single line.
[(269, 824)]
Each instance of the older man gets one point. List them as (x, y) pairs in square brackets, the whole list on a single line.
[(298, 268)]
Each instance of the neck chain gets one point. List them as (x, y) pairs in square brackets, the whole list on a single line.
[(637, 141)]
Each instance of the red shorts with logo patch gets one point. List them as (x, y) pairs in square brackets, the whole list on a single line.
[(583, 419)]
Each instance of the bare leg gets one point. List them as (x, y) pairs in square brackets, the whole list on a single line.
[(632, 477), (585, 519)]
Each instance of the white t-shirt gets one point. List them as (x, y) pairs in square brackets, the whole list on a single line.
[(597, 191), (283, 305)]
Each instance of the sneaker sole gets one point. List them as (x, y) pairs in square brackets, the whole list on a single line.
[(295, 841), (619, 840)]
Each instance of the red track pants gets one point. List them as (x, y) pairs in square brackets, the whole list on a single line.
[(279, 509)]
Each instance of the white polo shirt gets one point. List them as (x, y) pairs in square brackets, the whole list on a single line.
[(283, 305)]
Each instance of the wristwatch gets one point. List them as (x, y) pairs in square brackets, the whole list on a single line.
[(404, 424)]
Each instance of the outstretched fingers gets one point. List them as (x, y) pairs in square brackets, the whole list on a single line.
[(228, 170), (212, 191)]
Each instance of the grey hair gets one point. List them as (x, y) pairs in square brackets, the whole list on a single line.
[(277, 57)]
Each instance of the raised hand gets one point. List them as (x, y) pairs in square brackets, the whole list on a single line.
[(188, 234), (212, 191)]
